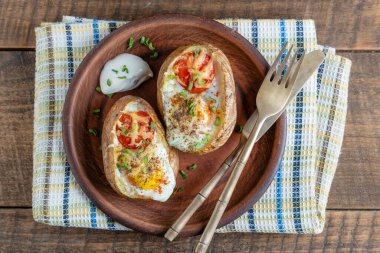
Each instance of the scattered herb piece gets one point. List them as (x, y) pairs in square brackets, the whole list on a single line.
[(142, 40), (130, 43), (150, 46), (183, 93), (152, 126), (110, 95), (126, 151), (96, 112), (203, 142), (108, 82), (146, 160), (154, 56), (171, 77), (140, 150), (93, 131), (196, 52), (191, 107), (125, 69), (192, 167), (98, 89), (239, 128), (116, 71), (196, 76), (124, 131), (213, 108), (217, 121), (178, 189), (125, 166), (190, 87), (183, 174), (122, 77), (145, 142)]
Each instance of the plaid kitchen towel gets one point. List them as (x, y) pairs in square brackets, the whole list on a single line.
[(296, 200)]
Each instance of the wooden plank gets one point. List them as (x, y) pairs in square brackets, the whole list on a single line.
[(341, 24), (355, 185), (345, 231)]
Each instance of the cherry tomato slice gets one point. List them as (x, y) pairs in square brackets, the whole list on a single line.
[(202, 71), (134, 130)]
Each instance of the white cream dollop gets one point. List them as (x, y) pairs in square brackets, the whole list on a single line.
[(113, 79)]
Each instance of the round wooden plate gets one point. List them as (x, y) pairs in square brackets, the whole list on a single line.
[(168, 32)]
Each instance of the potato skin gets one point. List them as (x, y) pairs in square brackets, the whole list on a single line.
[(229, 113), (107, 139)]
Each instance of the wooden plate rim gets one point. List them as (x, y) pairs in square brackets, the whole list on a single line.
[(93, 193)]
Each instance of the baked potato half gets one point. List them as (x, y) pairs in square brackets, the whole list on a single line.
[(138, 162), (196, 97)]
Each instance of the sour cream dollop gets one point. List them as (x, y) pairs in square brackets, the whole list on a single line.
[(124, 72)]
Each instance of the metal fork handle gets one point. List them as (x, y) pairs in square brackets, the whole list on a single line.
[(182, 220), (225, 197)]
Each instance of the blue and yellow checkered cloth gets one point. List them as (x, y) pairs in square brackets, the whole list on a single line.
[(296, 200)]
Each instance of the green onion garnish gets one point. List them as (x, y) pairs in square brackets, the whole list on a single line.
[(212, 99), (125, 69), (93, 131), (171, 77), (142, 40), (96, 112), (203, 142), (192, 167), (130, 43), (146, 160), (213, 108), (217, 121), (116, 71), (139, 151), (127, 151), (154, 56), (239, 128), (183, 93), (108, 82), (190, 87), (196, 53), (191, 107), (110, 95), (183, 174), (98, 89), (152, 126), (122, 77), (178, 189)]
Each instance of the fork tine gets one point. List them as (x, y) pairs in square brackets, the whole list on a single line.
[(273, 68), (295, 73), (282, 66), (289, 69)]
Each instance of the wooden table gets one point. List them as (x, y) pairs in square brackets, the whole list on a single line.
[(353, 216)]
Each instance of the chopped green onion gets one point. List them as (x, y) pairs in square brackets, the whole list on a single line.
[(217, 121), (116, 71), (203, 142), (154, 56), (125, 166), (192, 167), (124, 131), (150, 46), (191, 107), (196, 76), (122, 77), (139, 151), (93, 131), (145, 142), (213, 108), (108, 82), (190, 87), (142, 40), (178, 189), (110, 95), (183, 93), (130, 43), (146, 160), (96, 112), (171, 77), (196, 52), (98, 89), (183, 174), (239, 128), (125, 69), (127, 151), (152, 126)]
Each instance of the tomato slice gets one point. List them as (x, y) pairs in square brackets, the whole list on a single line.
[(134, 130), (195, 71)]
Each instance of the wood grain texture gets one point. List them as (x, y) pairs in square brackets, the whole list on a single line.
[(355, 185), (345, 231), (341, 24)]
